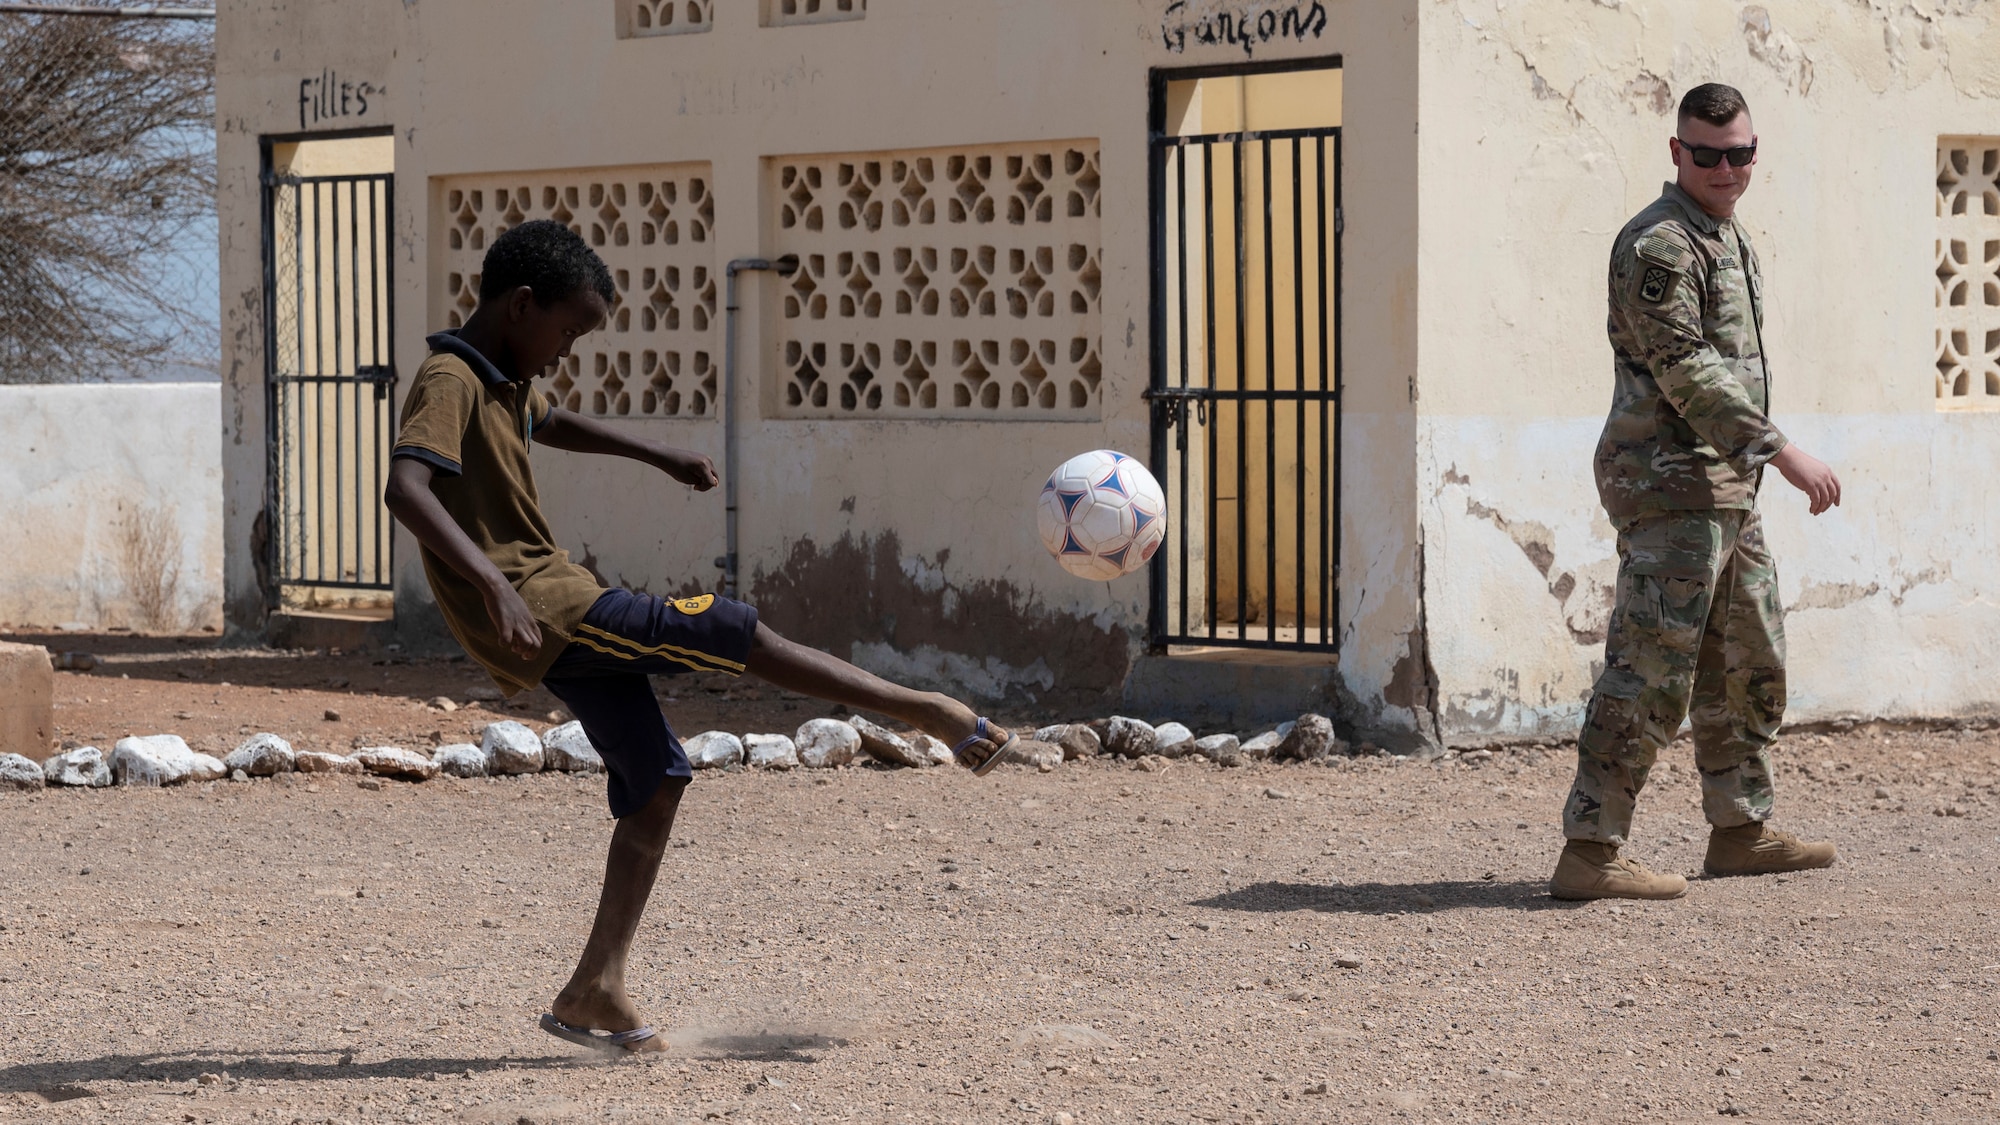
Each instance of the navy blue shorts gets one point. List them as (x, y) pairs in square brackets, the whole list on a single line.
[(601, 678)]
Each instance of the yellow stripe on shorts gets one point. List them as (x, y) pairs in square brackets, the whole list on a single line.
[(588, 643), (679, 655)]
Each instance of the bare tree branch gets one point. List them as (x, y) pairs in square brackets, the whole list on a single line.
[(106, 157)]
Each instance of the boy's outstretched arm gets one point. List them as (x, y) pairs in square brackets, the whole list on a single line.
[(408, 497), (564, 429)]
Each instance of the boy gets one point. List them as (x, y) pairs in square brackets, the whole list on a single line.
[(460, 481)]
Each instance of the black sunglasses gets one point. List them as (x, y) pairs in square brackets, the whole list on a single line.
[(1706, 157)]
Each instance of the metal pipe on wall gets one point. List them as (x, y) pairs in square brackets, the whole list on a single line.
[(785, 266)]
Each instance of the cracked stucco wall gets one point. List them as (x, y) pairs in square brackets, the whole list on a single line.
[(265, 49), (1544, 126), (956, 496)]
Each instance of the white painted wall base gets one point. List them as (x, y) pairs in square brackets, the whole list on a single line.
[(115, 494), (1890, 606)]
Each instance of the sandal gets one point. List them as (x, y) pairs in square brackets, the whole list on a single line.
[(615, 1042), (984, 733)]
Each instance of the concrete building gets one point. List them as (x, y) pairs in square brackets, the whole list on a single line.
[(1334, 268)]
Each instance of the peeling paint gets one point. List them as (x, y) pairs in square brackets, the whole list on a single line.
[(904, 617), (1929, 576), (1652, 91), (1776, 49), (1832, 595), (1413, 681), (1537, 543)]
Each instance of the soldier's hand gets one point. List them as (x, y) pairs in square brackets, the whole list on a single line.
[(1809, 475)]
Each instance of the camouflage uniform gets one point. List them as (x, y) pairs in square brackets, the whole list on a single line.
[(1697, 617)]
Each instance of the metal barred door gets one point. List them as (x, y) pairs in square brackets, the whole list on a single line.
[(328, 284), (1245, 387)]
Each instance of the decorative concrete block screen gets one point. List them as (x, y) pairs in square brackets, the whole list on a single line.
[(1968, 273), (957, 282), (659, 354), (664, 17), (784, 13)]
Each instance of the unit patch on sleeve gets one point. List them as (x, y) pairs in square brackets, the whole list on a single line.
[(1654, 287)]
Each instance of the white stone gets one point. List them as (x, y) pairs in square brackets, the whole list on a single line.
[(83, 766), (568, 749), (151, 760), (1129, 738), (511, 748), (17, 772), (1076, 739), (933, 749), (714, 750), (1172, 740), (460, 759), (826, 743), (885, 745), (319, 761), (1260, 747), (262, 755), (1224, 748), (1310, 739), (771, 752), (207, 767), (394, 761), (1044, 756)]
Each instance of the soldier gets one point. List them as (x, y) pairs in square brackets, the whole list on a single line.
[(1678, 467)]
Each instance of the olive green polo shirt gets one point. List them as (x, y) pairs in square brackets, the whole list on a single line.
[(474, 427)]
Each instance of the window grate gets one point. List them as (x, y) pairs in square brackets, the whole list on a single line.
[(1968, 273), (641, 18), (657, 356), (958, 282), (787, 13)]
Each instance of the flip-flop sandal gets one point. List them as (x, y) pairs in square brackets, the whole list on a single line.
[(613, 1042), (984, 733)]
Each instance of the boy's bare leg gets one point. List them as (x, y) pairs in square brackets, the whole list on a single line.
[(595, 996), (809, 671)]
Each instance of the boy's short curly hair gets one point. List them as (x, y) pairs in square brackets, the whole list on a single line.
[(548, 258)]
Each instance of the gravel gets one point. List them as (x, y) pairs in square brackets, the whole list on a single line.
[(869, 944)]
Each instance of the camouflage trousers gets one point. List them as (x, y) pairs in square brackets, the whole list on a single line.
[(1697, 622)]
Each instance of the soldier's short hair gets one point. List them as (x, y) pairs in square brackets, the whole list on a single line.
[(1714, 103)]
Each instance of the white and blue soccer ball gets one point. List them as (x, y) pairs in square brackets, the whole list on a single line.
[(1102, 515)]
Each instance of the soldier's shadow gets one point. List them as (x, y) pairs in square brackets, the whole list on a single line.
[(1384, 898)]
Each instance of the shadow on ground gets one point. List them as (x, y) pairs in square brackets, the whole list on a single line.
[(763, 1046), (69, 1079), (1376, 898)]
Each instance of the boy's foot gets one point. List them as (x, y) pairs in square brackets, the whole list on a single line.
[(984, 748), (1590, 870), (597, 1010), (620, 1042), (1759, 849), (976, 743)]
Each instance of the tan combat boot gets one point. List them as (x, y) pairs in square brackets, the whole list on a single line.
[(1759, 849), (1588, 869)]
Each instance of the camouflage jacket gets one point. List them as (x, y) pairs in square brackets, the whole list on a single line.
[(1688, 428)]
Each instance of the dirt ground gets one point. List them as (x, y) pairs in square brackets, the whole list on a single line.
[(1276, 943)]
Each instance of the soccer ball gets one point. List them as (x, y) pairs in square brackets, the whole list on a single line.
[(1102, 515)]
